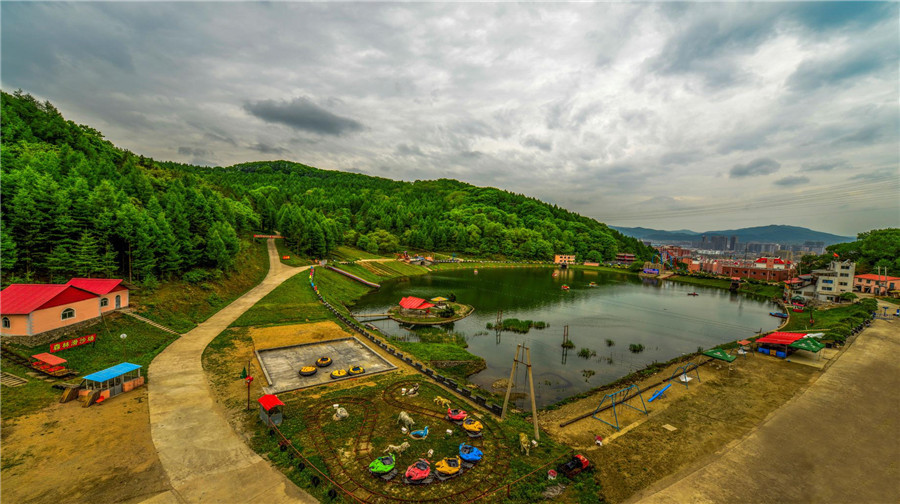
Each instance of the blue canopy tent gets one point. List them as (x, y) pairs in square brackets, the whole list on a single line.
[(113, 381)]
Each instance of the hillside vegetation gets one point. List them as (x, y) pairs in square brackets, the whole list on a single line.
[(73, 204)]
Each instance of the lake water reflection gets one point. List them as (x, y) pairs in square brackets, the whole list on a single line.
[(623, 308)]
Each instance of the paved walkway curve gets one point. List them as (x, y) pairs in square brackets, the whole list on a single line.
[(837, 442), (204, 458)]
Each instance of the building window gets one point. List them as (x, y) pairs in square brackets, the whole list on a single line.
[(842, 283), (6, 322), (104, 302), (68, 313), (826, 288)]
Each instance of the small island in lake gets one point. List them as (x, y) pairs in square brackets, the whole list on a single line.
[(440, 310)]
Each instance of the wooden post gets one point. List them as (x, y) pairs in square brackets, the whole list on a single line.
[(537, 434), (512, 375)]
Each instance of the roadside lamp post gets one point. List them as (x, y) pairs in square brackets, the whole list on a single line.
[(123, 336)]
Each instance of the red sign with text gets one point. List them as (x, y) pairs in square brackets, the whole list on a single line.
[(267, 236), (74, 342)]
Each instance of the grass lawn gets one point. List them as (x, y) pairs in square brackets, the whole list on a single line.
[(361, 271), (295, 259), (181, 305), (769, 291), (144, 342), (895, 301), (338, 290), (344, 253), (291, 302), (836, 323)]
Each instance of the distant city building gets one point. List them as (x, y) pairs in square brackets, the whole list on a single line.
[(815, 247), (732, 245), (762, 248), (768, 269)]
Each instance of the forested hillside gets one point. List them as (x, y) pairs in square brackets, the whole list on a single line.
[(74, 204), (878, 248), (316, 209)]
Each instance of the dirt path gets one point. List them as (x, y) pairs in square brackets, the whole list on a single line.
[(836, 442), (204, 459)]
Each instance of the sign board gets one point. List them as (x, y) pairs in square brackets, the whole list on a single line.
[(650, 271), (286, 257), (267, 236), (74, 342)]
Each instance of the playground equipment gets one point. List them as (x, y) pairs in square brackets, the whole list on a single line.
[(473, 427), (338, 373), (659, 393), (323, 361), (448, 467), (718, 353), (574, 466), (469, 454), (357, 370), (383, 467), (419, 473), (456, 415), (308, 370), (684, 370), (620, 397)]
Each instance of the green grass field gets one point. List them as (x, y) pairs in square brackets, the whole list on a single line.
[(344, 253), (291, 302), (295, 259), (836, 323), (143, 343), (181, 305), (769, 291)]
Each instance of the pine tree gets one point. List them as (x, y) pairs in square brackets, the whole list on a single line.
[(59, 264), (85, 257)]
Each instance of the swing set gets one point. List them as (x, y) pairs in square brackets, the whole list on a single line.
[(620, 398), (683, 371)]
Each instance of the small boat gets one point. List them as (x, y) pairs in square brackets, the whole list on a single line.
[(565, 287), (693, 294), (323, 362), (419, 473), (357, 370), (469, 454), (592, 284), (778, 314), (338, 373), (383, 467), (472, 427), (456, 415), (308, 370), (448, 467), (419, 434)]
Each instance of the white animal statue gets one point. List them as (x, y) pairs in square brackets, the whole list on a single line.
[(524, 444), (445, 403), (397, 448), (340, 414), (413, 391), (406, 420)]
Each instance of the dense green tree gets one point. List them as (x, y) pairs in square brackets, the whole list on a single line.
[(85, 259)]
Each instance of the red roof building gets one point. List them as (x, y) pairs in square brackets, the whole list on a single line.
[(414, 303), (30, 309), (875, 284)]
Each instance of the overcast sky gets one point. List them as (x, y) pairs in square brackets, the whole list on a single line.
[(671, 116)]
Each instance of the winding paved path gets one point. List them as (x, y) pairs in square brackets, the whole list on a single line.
[(205, 460), (837, 442)]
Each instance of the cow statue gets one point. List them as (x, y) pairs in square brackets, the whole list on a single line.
[(405, 419)]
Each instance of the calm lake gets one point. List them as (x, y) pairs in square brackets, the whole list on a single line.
[(623, 308)]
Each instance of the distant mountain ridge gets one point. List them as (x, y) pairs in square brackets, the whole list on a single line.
[(788, 235)]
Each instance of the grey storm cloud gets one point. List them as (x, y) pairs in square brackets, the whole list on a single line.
[(584, 105), (302, 114), (793, 180), (759, 166)]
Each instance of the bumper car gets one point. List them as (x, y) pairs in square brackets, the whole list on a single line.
[(308, 370), (323, 362), (448, 468), (383, 467), (472, 427), (419, 473), (419, 434), (456, 415), (469, 455), (574, 466), (338, 373), (357, 370)]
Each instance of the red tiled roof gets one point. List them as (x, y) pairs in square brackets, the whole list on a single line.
[(781, 338), (22, 299), (880, 278), (414, 303), (49, 359), (99, 286)]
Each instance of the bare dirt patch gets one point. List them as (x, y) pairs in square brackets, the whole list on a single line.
[(727, 402), (69, 454)]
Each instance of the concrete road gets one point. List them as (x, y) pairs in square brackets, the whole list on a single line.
[(203, 457), (837, 442)]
